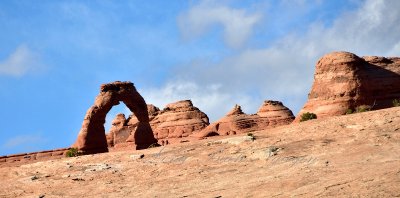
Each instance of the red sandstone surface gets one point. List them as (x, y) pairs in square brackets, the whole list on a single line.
[(342, 156)]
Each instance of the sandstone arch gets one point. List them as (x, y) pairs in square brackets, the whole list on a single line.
[(92, 139)]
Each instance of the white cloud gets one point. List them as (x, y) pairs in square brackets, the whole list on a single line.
[(20, 62), (22, 141), (281, 71), (208, 98), (372, 29), (284, 70), (237, 23)]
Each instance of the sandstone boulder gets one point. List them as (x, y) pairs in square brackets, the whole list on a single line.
[(343, 81)]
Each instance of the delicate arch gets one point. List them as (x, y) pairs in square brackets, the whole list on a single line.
[(92, 139)]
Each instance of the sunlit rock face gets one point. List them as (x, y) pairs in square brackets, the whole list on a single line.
[(344, 81), (176, 121)]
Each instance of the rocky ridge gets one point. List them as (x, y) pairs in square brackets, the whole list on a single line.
[(269, 115)]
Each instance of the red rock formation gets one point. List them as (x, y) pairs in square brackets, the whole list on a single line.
[(153, 111), (234, 122), (270, 114), (92, 139), (345, 81), (119, 131), (276, 113), (177, 120)]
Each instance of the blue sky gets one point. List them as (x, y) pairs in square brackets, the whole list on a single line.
[(55, 54)]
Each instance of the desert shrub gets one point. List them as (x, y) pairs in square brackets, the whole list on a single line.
[(72, 152), (154, 145), (396, 102), (166, 109), (363, 108), (252, 136), (349, 111), (308, 116)]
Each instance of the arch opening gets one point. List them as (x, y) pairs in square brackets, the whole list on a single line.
[(115, 113)]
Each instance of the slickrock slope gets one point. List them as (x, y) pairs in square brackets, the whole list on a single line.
[(92, 139), (345, 81), (270, 114), (176, 121), (343, 156)]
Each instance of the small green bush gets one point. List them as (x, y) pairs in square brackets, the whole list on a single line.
[(308, 116), (252, 136), (154, 145), (363, 108), (72, 152), (396, 102), (349, 111)]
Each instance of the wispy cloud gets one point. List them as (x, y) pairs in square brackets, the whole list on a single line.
[(237, 23), (23, 141), (211, 99), (20, 62)]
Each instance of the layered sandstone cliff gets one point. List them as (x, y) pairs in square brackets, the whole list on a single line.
[(269, 115), (343, 81)]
